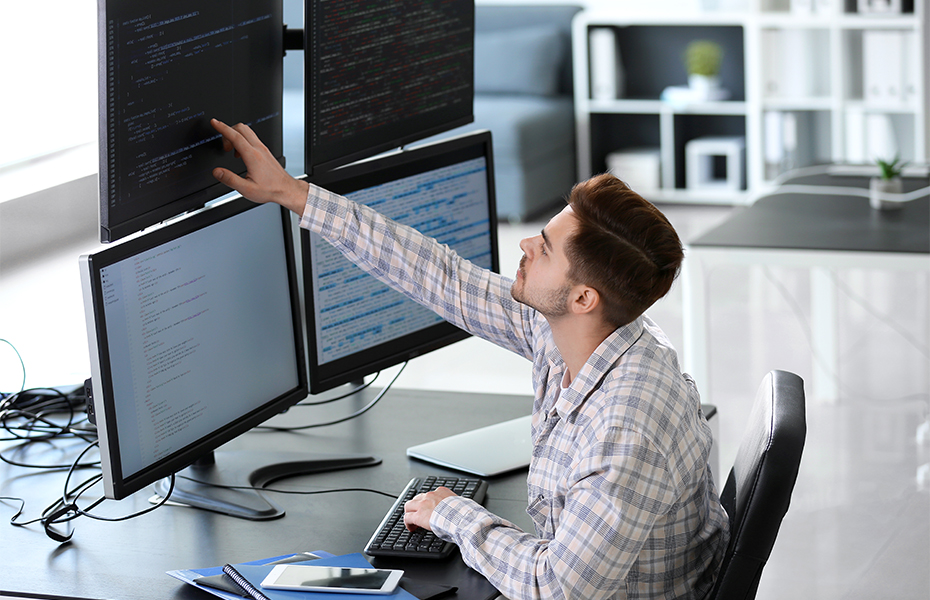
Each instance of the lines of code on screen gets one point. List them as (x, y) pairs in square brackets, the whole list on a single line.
[(383, 71), (170, 67), (353, 310)]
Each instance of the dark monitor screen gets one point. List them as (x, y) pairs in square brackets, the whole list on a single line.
[(166, 68), (195, 336), (357, 325), (383, 74)]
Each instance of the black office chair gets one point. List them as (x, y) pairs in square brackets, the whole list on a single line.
[(758, 490)]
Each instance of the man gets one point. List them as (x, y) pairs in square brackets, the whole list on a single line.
[(619, 488)]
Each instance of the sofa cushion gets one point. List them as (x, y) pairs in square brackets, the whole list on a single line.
[(526, 128), (507, 17), (519, 61)]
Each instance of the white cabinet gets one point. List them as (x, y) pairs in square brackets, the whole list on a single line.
[(869, 98), (807, 82)]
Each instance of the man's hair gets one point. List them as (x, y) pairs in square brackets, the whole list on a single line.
[(623, 247)]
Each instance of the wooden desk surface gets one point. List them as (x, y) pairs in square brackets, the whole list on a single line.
[(128, 560)]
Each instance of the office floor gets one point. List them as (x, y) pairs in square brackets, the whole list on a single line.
[(859, 523)]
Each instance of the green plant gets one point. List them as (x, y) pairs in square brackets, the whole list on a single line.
[(892, 169), (703, 57)]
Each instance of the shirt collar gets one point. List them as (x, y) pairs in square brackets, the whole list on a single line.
[(602, 360)]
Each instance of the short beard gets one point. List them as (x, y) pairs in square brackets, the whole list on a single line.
[(550, 304)]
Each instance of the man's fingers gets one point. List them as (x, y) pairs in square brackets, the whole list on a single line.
[(250, 136), (232, 138), (227, 177)]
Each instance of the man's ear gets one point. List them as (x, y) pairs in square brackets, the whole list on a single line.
[(584, 299)]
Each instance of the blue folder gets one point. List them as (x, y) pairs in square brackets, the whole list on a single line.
[(256, 571)]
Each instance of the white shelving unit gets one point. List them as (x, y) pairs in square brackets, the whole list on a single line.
[(804, 89)]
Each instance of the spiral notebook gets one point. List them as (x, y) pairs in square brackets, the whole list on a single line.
[(250, 577), (256, 571)]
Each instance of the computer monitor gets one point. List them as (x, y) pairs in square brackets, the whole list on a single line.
[(166, 68), (196, 336), (380, 75), (356, 325)]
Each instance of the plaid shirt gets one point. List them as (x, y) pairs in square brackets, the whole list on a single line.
[(618, 487)]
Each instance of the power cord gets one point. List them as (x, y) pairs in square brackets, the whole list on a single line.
[(294, 492), (25, 416), (354, 415), (21, 363), (348, 394), (66, 509)]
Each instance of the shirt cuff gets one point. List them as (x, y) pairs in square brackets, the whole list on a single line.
[(449, 515), (306, 218), (325, 212)]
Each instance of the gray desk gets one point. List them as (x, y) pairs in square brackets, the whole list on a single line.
[(128, 560), (795, 227)]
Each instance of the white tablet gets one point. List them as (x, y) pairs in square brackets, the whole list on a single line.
[(310, 578)]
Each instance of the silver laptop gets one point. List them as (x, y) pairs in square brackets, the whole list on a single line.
[(485, 452)]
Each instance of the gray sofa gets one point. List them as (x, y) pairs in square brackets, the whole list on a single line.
[(523, 95)]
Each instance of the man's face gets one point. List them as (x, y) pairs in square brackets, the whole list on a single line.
[(542, 279)]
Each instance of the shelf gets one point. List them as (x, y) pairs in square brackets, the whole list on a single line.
[(787, 20), (908, 21), (892, 109), (652, 107), (806, 89), (708, 196), (818, 103)]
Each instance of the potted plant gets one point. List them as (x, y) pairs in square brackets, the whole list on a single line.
[(883, 190), (702, 62)]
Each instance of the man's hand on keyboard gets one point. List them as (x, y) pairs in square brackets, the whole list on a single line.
[(417, 512)]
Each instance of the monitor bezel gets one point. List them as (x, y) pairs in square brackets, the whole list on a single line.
[(411, 130), (116, 485), (112, 229), (355, 366)]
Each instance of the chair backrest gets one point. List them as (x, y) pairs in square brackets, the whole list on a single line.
[(758, 489)]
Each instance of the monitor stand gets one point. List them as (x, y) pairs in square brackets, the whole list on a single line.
[(200, 485)]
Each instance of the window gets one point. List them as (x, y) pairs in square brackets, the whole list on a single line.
[(48, 100)]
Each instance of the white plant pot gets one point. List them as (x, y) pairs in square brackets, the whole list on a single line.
[(703, 87), (883, 193)]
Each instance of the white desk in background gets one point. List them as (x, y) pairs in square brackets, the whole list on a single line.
[(797, 227)]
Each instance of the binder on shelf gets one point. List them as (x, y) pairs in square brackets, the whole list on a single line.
[(880, 137), (910, 54), (855, 136), (883, 66), (774, 143), (606, 68), (880, 6), (788, 70)]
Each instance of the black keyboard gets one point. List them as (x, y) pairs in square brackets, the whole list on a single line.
[(392, 538)]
